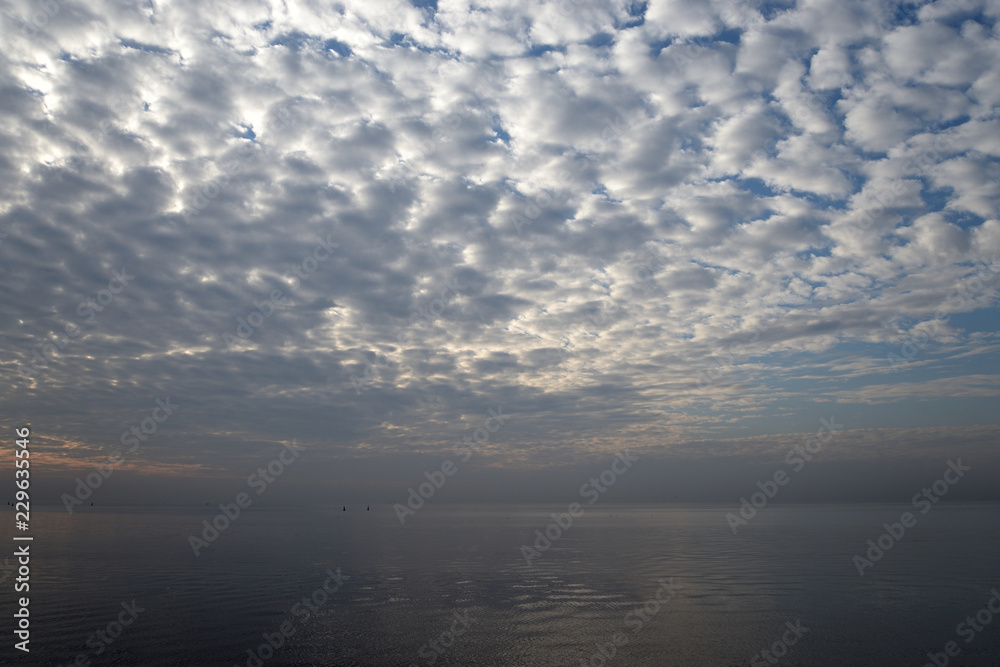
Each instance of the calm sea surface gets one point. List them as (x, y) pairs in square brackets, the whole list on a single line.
[(461, 569)]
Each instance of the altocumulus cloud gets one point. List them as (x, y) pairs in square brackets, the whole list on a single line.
[(816, 182)]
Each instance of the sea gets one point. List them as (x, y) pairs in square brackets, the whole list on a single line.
[(517, 585)]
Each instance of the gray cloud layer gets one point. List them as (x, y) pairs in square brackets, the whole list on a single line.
[(626, 223)]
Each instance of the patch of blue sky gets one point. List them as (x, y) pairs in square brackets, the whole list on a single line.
[(905, 14), (754, 186), (247, 133), (636, 16), (821, 202), (942, 125), (730, 36), (147, 48), (600, 39), (962, 218), (498, 131), (970, 13), (602, 191), (715, 267), (338, 47), (934, 199), (541, 49), (984, 320), (294, 40), (656, 46), (812, 253), (403, 40), (771, 9)]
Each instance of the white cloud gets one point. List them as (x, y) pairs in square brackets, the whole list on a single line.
[(816, 169)]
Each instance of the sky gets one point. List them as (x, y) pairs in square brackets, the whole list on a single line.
[(701, 233)]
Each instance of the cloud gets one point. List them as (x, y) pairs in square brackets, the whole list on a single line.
[(569, 208)]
